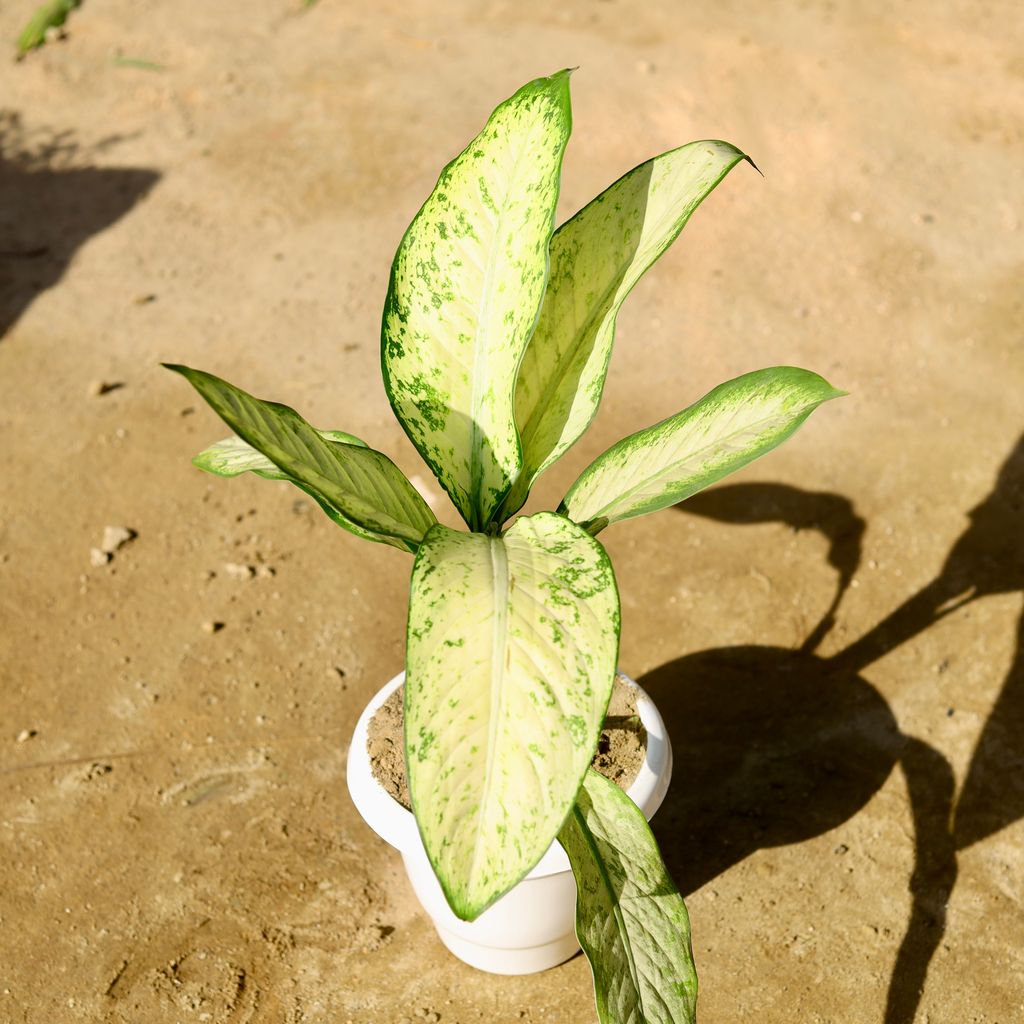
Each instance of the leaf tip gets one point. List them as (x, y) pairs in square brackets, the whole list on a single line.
[(458, 900), (558, 83), (750, 161), (825, 388), (556, 86), (201, 461), (463, 910)]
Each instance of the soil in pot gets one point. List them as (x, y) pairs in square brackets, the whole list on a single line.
[(620, 749)]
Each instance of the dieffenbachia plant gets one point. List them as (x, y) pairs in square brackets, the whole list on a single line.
[(496, 336)]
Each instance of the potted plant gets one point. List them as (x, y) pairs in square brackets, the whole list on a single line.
[(496, 337)]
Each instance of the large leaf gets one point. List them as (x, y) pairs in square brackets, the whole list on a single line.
[(510, 658), (466, 287), (366, 487), (729, 427), (630, 919), (596, 259), (232, 457)]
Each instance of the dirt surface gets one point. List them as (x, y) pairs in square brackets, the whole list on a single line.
[(835, 638), (620, 747)]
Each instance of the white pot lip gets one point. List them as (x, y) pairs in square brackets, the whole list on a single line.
[(397, 826)]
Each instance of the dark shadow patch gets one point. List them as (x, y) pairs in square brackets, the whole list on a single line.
[(930, 785), (771, 747), (51, 205), (832, 515)]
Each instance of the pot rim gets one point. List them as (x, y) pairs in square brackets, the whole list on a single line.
[(397, 826)]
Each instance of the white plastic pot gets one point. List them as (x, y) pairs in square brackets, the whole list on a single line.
[(532, 927)]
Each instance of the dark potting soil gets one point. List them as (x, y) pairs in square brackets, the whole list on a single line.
[(620, 749)]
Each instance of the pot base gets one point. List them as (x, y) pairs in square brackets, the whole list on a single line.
[(510, 961)]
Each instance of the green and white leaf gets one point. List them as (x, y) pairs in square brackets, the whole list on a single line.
[(364, 486), (630, 919), (732, 425), (466, 286), (510, 656), (596, 259), (232, 457)]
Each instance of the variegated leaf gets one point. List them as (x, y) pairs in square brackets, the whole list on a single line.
[(630, 919), (364, 486), (466, 285), (730, 426), (510, 658), (596, 259), (232, 457)]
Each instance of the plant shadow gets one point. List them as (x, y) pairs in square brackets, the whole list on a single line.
[(51, 206), (784, 745), (777, 750)]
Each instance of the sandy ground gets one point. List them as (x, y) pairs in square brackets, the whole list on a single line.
[(835, 639)]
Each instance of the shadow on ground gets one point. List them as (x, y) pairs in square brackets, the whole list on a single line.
[(781, 746), (49, 209)]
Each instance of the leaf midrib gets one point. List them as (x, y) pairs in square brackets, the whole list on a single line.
[(499, 650), (482, 351)]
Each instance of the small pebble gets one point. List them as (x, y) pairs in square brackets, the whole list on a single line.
[(212, 627), (115, 537), (238, 571), (98, 557), (103, 387), (26, 734)]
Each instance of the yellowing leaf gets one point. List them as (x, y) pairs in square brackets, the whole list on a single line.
[(510, 658), (596, 259), (730, 426), (466, 286)]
